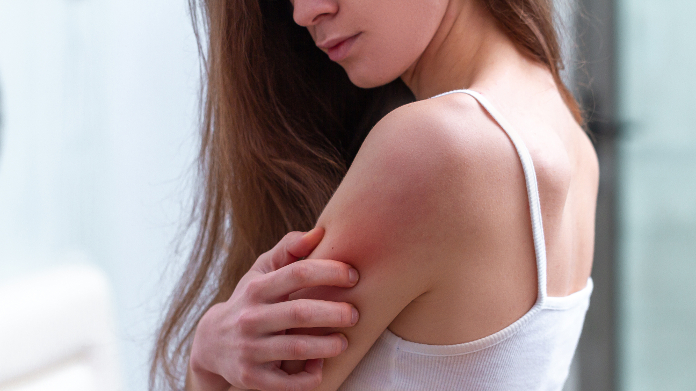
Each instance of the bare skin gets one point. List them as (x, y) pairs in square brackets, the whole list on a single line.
[(433, 213), (485, 265), (241, 342)]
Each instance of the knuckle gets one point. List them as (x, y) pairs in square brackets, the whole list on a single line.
[(247, 377), (265, 256), (246, 350), (298, 348), (266, 253), (341, 272), (337, 346), (290, 237), (301, 272), (247, 321), (301, 313), (254, 288)]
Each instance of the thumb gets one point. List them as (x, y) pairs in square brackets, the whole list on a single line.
[(291, 248), (306, 244)]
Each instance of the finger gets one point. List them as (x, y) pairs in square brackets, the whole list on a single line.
[(306, 274), (275, 379), (306, 244), (300, 347), (314, 366), (304, 313), (289, 249)]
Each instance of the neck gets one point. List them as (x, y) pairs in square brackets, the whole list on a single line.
[(464, 52)]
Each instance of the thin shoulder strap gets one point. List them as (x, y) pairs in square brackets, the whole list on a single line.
[(532, 188)]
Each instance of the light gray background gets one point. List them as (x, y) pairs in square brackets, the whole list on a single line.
[(99, 109), (657, 194)]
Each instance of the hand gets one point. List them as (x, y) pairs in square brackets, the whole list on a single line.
[(239, 344)]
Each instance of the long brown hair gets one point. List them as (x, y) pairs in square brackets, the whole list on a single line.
[(280, 126)]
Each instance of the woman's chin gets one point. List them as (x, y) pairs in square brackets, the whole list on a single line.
[(369, 79)]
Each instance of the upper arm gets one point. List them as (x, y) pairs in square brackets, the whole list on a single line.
[(387, 219)]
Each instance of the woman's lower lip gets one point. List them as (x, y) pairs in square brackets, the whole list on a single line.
[(340, 51)]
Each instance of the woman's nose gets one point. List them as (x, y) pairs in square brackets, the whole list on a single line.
[(310, 12)]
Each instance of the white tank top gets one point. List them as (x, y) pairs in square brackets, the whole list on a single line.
[(534, 353)]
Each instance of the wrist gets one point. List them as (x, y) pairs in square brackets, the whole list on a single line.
[(201, 379)]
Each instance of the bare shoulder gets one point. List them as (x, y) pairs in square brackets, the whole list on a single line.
[(397, 215), (444, 131), (401, 179), (430, 142), (424, 164)]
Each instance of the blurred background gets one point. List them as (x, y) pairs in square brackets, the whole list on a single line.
[(98, 113), (98, 100)]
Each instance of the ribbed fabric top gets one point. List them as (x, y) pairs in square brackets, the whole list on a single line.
[(533, 353)]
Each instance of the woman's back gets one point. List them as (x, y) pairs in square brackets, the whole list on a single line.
[(446, 230), (532, 352), (492, 279)]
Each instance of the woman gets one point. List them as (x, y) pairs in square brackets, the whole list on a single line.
[(458, 290)]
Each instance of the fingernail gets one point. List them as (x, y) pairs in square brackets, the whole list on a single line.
[(345, 342), (352, 275), (354, 318), (321, 363), (309, 233)]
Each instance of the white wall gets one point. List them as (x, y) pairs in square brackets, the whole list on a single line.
[(98, 100)]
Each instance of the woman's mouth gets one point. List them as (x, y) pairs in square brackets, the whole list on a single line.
[(338, 49)]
